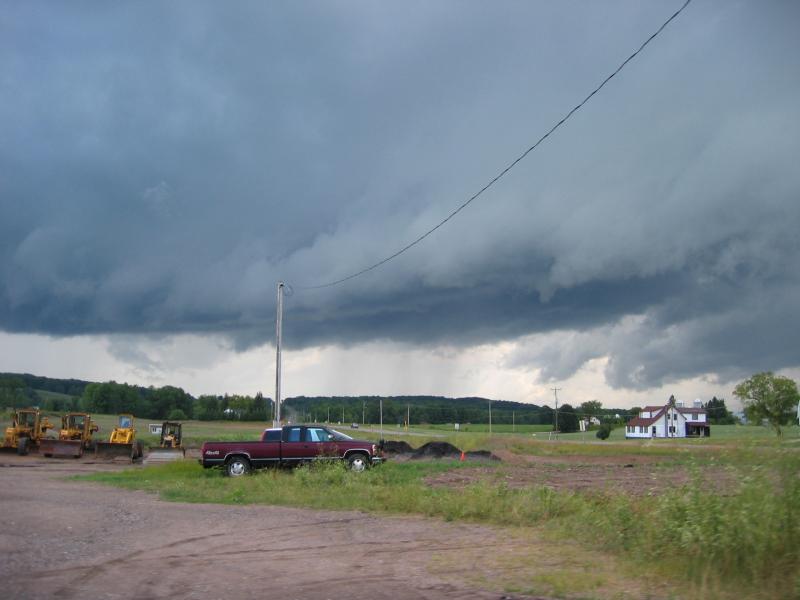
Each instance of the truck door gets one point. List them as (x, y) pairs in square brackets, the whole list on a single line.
[(293, 448), (319, 440)]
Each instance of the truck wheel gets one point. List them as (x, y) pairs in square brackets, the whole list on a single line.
[(358, 462), (22, 446), (237, 466)]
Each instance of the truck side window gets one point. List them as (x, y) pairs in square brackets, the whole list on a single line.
[(273, 436), (314, 434), (294, 435)]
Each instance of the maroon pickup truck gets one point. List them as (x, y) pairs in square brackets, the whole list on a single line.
[(291, 445)]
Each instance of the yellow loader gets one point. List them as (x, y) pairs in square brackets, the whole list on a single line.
[(28, 428), (75, 437), (122, 442), (170, 446)]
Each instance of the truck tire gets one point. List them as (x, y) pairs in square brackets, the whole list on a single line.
[(358, 461), (236, 466), (22, 446)]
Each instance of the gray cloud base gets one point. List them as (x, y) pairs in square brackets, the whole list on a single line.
[(165, 166)]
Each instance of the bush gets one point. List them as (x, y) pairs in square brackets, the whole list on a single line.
[(604, 431)]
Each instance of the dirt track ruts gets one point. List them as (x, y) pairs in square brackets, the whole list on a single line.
[(68, 539)]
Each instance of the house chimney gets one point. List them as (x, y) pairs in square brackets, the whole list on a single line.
[(698, 403), (679, 404)]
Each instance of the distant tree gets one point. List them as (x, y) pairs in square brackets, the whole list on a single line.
[(635, 410), (718, 413), (208, 408), (11, 389), (604, 431), (591, 408), (768, 396), (165, 399), (176, 414), (567, 419), (112, 398)]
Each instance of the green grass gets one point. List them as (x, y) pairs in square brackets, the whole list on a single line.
[(747, 542)]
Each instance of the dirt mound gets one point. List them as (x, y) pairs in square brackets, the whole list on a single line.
[(437, 450), (403, 451), (397, 447)]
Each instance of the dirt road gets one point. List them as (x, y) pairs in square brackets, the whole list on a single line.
[(68, 539)]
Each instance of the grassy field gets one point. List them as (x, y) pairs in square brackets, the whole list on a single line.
[(741, 544), (739, 541)]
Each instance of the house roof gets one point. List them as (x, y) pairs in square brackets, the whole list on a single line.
[(647, 421), (658, 411)]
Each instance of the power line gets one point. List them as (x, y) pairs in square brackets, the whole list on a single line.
[(510, 166)]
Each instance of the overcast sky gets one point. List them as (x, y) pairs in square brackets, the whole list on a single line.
[(163, 165)]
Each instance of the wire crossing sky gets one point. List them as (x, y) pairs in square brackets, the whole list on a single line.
[(508, 168)]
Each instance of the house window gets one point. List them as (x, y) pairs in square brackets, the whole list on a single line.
[(694, 417)]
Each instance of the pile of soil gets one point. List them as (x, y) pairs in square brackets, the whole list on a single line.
[(437, 450), (390, 447), (404, 451)]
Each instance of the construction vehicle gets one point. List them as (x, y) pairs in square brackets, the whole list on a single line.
[(122, 442), (75, 437), (170, 446), (28, 428)]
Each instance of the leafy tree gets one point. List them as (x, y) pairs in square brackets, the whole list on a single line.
[(176, 414), (208, 408), (567, 419), (718, 413), (112, 398), (11, 389), (768, 396), (166, 399), (591, 408)]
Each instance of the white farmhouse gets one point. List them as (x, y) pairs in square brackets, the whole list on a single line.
[(672, 420)]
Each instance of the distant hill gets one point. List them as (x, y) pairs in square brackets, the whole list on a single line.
[(68, 387), (57, 394)]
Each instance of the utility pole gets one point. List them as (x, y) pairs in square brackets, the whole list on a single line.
[(328, 420), (381, 410), (513, 423), (278, 338), (555, 393), (408, 416), (363, 411), (490, 417)]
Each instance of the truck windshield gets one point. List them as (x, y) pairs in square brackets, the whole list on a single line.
[(338, 435)]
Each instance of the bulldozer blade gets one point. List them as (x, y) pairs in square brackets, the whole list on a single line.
[(162, 455), (61, 448), (112, 451)]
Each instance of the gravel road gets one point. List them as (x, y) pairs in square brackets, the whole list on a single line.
[(68, 539)]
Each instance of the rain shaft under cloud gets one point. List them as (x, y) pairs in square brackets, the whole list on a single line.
[(164, 165)]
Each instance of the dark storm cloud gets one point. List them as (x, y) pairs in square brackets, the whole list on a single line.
[(162, 166)]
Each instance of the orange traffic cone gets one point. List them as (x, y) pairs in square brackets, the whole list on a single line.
[(463, 456)]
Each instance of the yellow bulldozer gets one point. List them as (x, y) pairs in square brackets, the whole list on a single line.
[(170, 446), (75, 437), (28, 428), (122, 442)]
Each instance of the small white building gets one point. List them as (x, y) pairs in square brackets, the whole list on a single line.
[(672, 420)]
